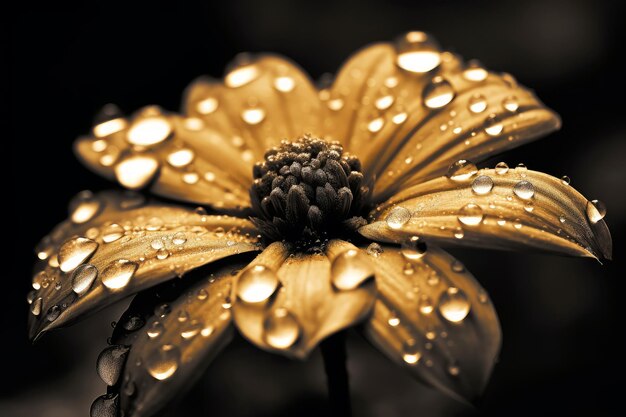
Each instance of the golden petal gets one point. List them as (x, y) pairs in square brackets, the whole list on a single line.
[(409, 110), (177, 157), (173, 331), (432, 317), (115, 244), (263, 100), (496, 209), (289, 303)]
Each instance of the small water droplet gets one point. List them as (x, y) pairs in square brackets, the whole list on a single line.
[(454, 305), (202, 294), (471, 214), (136, 171), (410, 352), (284, 84), (483, 184), (453, 370), (524, 190), (493, 125), (477, 103), (256, 284), (84, 207), (510, 104), (335, 104), (110, 363), (565, 180), (109, 127), (374, 249), (112, 232), (35, 307), (181, 158), (83, 278), (281, 329), (163, 362), (562, 219), (596, 210), (502, 168), (207, 106), (75, 251), (438, 93), (162, 254), (241, 76), (398, 217), (191, 330), (376, 125), (253, 115), (474, 72), (207, 331), (162, 310), (461, 170), (179, 238), (413, 248), (399, 118), (191, 178), (155, 330), (117, 274), (459, 233), (457, 266), (393, 320), (384, 102), (426, 305)]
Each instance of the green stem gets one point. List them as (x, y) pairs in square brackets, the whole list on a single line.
[(334, 354)]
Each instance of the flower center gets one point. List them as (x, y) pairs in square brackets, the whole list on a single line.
[(307, 188)]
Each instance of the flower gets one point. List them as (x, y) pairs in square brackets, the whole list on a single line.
[(327, 209)]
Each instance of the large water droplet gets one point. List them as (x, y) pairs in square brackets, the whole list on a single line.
[(398, 217), (180, 158), (149, 131), (471, 214), (112, 232), (75, 251), (84, 207), (502, 168), (117, 274), (413, 248), (474, 72), (410, 352), (136, 171), (438, 93), (163, 362), (253, 115), (83, 278), (524, 190), (461, 170), (596, 210), (105, 406), (110, 363), (454, 305), (351, 269), (482, 185), (257, 284), (477, 103), (281, 329), (417, 53), (241, 76)]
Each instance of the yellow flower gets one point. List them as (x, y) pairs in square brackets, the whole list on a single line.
[(327, 208)]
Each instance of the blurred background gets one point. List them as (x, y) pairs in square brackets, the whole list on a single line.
[(562, 318)]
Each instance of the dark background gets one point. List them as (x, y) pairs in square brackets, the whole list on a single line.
[(562, 318)]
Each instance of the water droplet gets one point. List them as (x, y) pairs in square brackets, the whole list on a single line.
[(351, 269), (281, 329), (83, 278), (417, 53), (241, 76), (426, 305), (461, 170), (384, 102), (181, 158), (398, 217), (155, 330), (471, 214), (109, 127), (374, 249), (565, 180), (253, 116), (284, 84), (459, 233), (562, 219), (335, 104), (413, 248), (510, 104), (207, 106), (257, 284), (453, 370), (191, 330), (162, 310), (438, 93), (162, 254), (477, 103), (163, 362), (457, 266), (75, 251), (454, 305), (399, 118), (474, 72), (502, 168), (482, 185), (117, 274), (483, 297), (179, 238), (202, 294), (524, 190), (410, 352), (191, 178), (408, 269), (53, 313), (136, 171), (149, 131), (84, 207), (110, 363), (207, 331), (376, 125), (112, 232), (106, 405), (219, 231), (596, 210), (35, 307), (393, 319), (493, 126)]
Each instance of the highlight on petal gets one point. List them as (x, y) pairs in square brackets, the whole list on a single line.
[(434, 319), (263, 99), (167, 338), (409, 109), (289, 302), (116, 244), (497, 208), (177, 157)]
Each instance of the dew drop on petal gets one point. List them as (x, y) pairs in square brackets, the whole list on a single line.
[(117, 274), (502, 168), (191, 330), (493, 125), (482, 185), (179, 238), (281, 329), (398, 217), (84, 207), (149, 131), (109, 127), (155, 330), (284, 84), (112, 232), (376, 125), (454, 305), (410, 352), (393, 320), (351, 269), (180, 158), (253, 116), (510, 104), (425, 305), (256, 284), (524, 190), (457, 266), (136, 171), (110, 363), (417, 53), (596, 210), (35, 307), (335, 104), (413, 248), (477, 103), (83, 278), (453, 369), (459, 233), (241, 76), (438, 93), (75, 251), (474, 72), (565, 180), (461, 170), (163, 362), (471, 214), (399, 118), (384, 102), (207, 106)]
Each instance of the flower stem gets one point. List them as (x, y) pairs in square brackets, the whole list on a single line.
[(334, 354)]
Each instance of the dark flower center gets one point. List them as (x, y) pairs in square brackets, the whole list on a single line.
[(307, 189)]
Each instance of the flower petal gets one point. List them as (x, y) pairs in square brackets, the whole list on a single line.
[(115, 245), (409, 110), (433, 318), (263, 100), (173, 331), (176, 157), (515, 209), (289, 303)]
